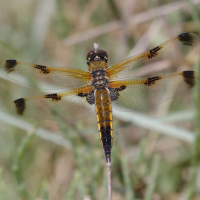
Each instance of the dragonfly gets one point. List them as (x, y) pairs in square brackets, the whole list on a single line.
[(102, 87)]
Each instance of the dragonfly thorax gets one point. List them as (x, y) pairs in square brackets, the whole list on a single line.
[(99, 79)]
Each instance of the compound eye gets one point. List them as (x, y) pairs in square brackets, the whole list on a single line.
[(99, 53), (90, 54), (103, 52), (103, 55)]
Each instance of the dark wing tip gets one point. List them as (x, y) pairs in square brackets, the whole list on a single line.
[(10, 65), (189, 39), (189, 78), (20, 106)]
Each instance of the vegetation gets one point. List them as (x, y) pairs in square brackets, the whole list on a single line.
[(155, 155)]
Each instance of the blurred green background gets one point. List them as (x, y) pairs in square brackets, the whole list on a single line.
[(155, 155)]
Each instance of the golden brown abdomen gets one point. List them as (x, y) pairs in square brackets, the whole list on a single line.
[(104, 120)]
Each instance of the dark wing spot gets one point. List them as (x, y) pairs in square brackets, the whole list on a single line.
[(43, 69), (114, 92), (152, 80), (89, 96), (154, 52), (186, 39), (53, 96), (189, 78), (10, 65), (20, 106)]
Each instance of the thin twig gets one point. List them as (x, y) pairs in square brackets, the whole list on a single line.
[(108, 164)]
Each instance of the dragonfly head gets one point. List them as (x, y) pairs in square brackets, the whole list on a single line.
[(96, 55)]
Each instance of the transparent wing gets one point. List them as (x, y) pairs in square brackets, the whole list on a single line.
[(156, 59), (44, 77), (58, 106), (142, 94)]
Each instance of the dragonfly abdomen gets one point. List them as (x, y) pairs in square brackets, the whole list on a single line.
[(104, 120)]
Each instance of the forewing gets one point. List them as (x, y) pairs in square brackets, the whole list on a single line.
[(44, 77), (142, 94), (57, 106), (156, 59)]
